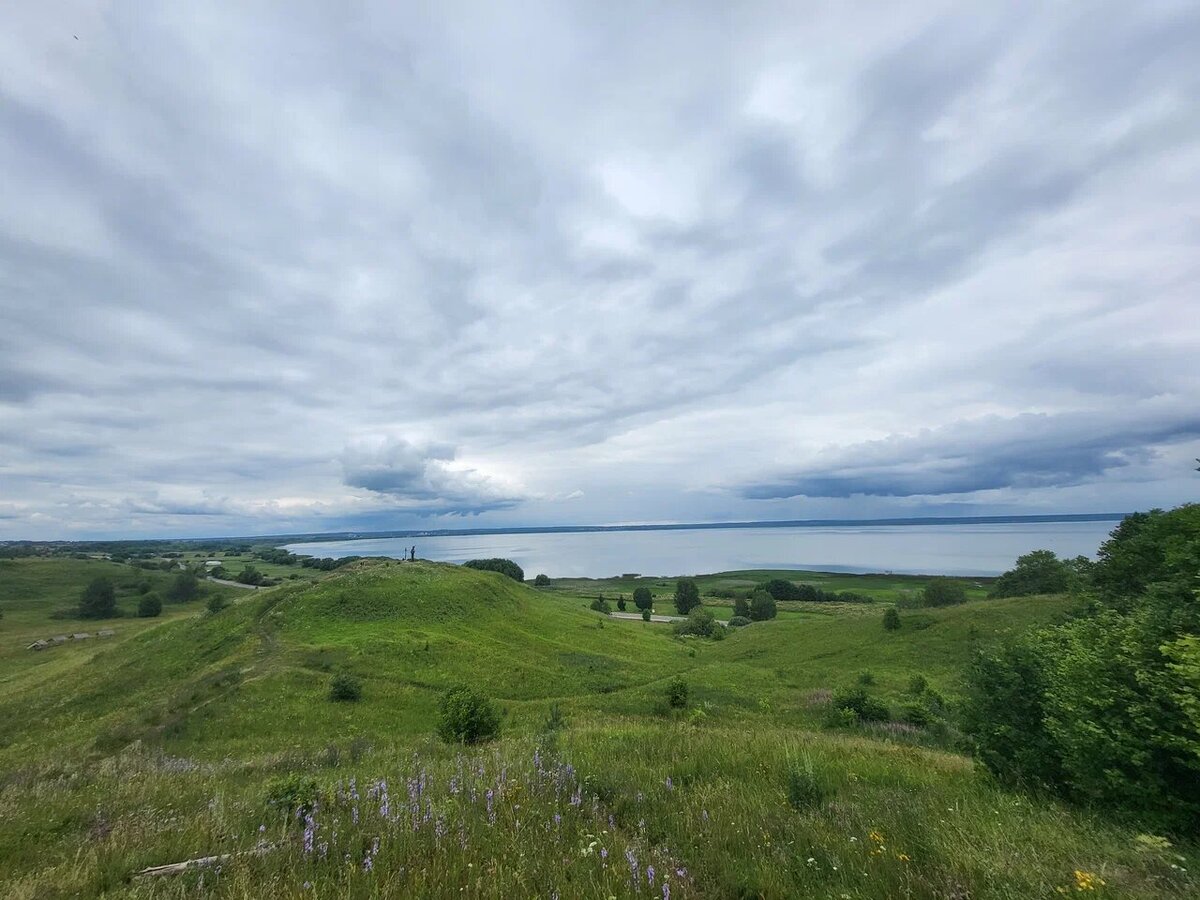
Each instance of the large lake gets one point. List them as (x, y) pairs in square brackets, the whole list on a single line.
[(962, 549)]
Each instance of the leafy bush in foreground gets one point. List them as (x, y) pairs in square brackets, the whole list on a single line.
[(677, 693), (700, 622), (149, 606), (467, 717), (503, 566), (804, 791), (863, 707), (1039, 572), (292, 793), (762, 607), (345, 688), (943, 592)]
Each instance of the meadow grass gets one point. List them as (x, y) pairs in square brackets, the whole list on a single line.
[(163, 746)]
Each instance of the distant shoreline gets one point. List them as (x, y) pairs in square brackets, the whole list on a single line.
[(696, 526)]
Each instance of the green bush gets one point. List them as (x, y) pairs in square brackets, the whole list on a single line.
[(687, 595), (216, 603), (891, 620), (600, 605), (804, 790), (863, 707), (503, 566), (783, 590), (149, 606), (700, 622), (917, 684), (913, 713), (642, 598), (762, 606), (677, 693), (739, 621), (645, 615), (1039, 572), (345, 688), (866, 678), (184, 587), (621, 604), (741, 607), (943, 592), (291, 794), (467, 717), (98, 600), (541, 581)]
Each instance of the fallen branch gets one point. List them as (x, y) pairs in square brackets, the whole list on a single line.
[(199, 862)]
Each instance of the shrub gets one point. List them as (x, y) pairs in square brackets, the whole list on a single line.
[(503, 566), (541, 581), (866, 678), (739, 621), (891, 620), (700, 622), (216, 603), (345, 688), (642, 598), (762, 606), (149, 606), (98, 600), (291, 794), (621, 604), (467, 717), (917, 684), (804, 790), (1039, 572), (741, 607), (677, 693), (862, 707), (184, 587), (913, 713), (943, 592), (645, 615), (782, 590), (600, 605), (687, 595)]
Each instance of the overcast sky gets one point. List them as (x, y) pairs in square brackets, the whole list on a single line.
[(280, 267)]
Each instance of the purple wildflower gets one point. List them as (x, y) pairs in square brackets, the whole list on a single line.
[(650, 874), (309, 827), (670, 784), (666, 890), (633, 866)]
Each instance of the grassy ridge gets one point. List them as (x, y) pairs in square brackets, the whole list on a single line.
[(163, 744)]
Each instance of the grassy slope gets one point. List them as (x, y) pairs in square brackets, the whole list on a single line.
[(242, 694)]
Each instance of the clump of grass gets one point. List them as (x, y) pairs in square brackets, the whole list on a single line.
[(345, 688)]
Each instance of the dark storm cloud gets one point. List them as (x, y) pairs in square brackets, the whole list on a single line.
[(303, 264), (1028, 451)]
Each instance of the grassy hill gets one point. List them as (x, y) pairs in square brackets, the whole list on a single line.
[(165, 744)]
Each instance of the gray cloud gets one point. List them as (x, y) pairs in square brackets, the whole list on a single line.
[(638, 255)]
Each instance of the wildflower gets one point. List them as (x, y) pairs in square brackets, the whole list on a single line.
[(309, 827), (704, 814), (650, 875), (811, 861), (666, 891), (903, 857), (262, 828), (876, 836), (633, 866), (1086, 881), (604, 855), (308, 885), (670, 785)]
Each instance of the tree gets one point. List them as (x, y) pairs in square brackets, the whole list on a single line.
[(600, 605), (645, 615), (216, 603), (541, 581), (687, 595), (184, 586), (503, 566), (149, 606), (762, 606), (783, 590), (467, 717), (700, 622), (642, 598), (1039, 572), (741, 607), (943, 592), (621, 603), (677, 693), (98, 600), (891, 620), (345, 688)]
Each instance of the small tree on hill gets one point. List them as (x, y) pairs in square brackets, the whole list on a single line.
[(645, 615), (782, 590), (149, 606), (467, 717), (541, 581), (503, 566), (642, 598), (621, 603), (943, 592), (891, 620), (1039, 572), (700, 622), (687, 595), (741, 607), (98, 601), (762, 607), (184, 587)]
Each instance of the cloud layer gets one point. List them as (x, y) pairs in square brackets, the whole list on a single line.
[(278, 268)]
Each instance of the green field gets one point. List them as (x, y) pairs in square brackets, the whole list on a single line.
[(161, 745)]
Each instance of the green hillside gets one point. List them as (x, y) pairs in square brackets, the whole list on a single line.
[(164, 745)]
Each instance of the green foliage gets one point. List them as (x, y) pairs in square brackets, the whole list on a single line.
[(292, 794), (646, 615), (250, 575), (216, 603), (541, 581), (466, 716), (866, 678), (345, 688), (762, 606), (503, 566), (863, 707), (741, 607), (184, 587), (1039, 572), (917, 684), (642, 598), (804, 789), (621, 604), (677, 693), (687, 595), (891, 619), (783, 590), (700, 622), (149, 606), (944, 592), (739, 621), (600, 605), (98, 600), (1147, 548)]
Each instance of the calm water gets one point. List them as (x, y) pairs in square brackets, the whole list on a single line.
[(916, 549)]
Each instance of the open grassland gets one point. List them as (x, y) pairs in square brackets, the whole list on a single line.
[(163, 746)]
